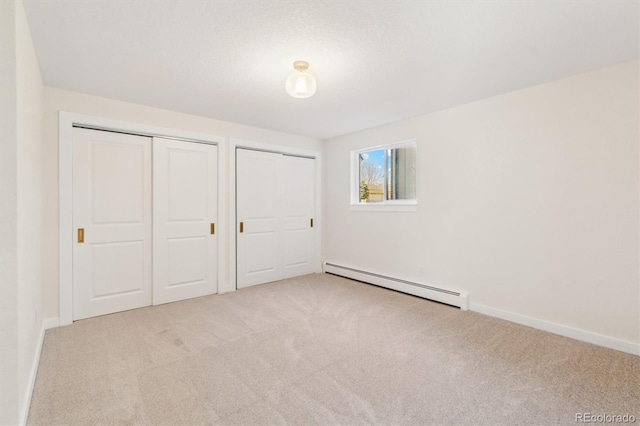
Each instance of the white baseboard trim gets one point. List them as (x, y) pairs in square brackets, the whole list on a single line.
[(562, 330), (24, 411), (47, 323), (51, 323)]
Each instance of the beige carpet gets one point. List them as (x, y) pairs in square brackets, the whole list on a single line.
[(322, 350)]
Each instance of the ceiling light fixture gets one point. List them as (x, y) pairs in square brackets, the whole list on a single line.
[(301, 84)]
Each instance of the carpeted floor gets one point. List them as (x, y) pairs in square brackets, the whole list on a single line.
[(323, 350)]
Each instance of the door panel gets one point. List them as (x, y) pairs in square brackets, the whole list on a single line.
[(259, 177), (185, 185), (118, 268), (261, 255), (187, 180), (299, 205), (187, 260), (112, 203), (296, 238)]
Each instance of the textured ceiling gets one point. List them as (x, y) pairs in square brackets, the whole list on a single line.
[(375, 61)]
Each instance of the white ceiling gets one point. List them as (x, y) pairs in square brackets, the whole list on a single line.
[(375, 61)]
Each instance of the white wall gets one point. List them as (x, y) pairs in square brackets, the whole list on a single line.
[(30, 213), (528, 201), (20, 212), (63, 100), (8, 218)]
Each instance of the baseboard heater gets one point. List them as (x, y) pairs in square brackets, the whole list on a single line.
[(421, 290)]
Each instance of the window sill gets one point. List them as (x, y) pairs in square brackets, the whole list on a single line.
[(365, 207)]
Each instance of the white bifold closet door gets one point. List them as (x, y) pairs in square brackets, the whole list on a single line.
[(275, 204), (112, 222), (185, 209)]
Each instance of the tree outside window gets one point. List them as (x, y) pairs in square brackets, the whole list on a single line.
[(387, 174)]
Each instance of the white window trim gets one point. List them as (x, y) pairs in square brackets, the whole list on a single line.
[(388, 205)]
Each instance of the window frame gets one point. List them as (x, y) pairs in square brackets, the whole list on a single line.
[(384, 205)]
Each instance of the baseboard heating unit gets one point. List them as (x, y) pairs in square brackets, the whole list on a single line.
[(421, 290)]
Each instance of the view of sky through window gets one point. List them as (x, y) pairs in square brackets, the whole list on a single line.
[(387, 174), (375, 158), (372, 175)]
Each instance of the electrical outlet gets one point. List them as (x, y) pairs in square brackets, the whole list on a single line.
[(420, 271)]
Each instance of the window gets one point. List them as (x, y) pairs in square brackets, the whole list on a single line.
[(384, 175)]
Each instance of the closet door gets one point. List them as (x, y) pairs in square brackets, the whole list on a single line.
[(112, 222), (299, 208), (275, 206), (185, 182), (259, 180)]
